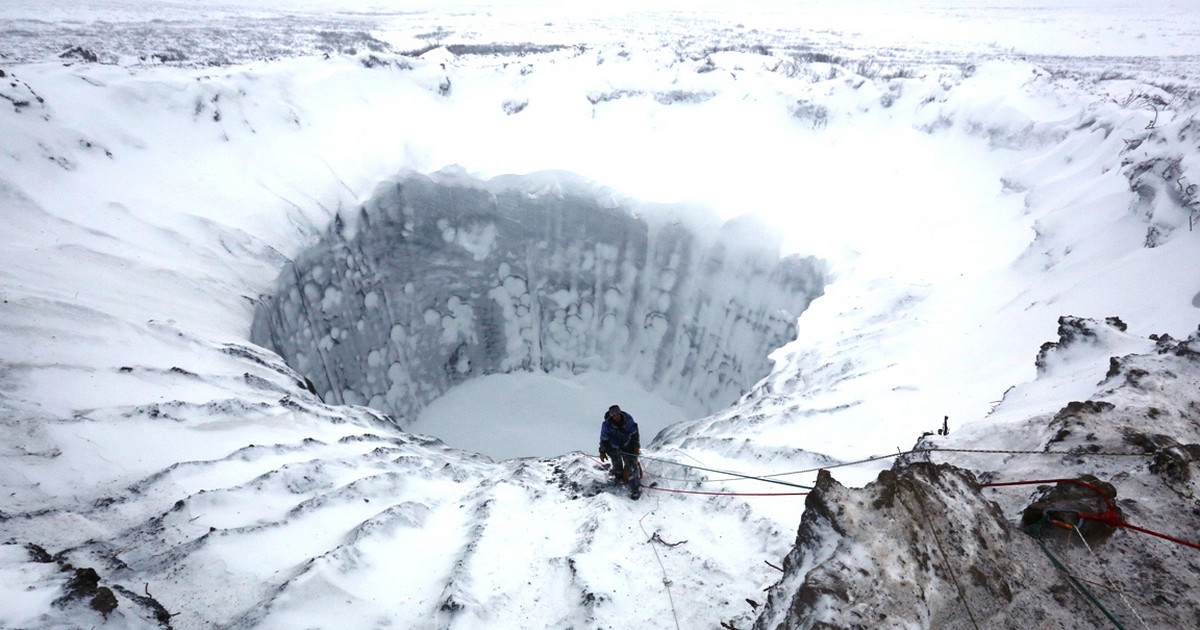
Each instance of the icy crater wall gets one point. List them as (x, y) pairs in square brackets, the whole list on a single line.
[(437, 280)]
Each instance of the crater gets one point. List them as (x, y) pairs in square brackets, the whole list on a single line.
[(440, 280)]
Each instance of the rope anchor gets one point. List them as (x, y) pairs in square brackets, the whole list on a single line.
[(1110, 516)]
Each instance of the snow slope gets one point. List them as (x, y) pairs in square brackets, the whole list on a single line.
[(966, 187)]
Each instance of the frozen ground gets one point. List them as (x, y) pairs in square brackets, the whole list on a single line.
[(1112, 31), (539, 415), (970, 173)]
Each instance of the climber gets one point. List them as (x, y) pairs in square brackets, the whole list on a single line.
[(620, 441)]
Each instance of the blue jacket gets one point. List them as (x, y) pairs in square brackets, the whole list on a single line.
[(620, 437)]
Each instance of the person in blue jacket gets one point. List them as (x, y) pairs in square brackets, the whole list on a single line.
[(619, 441)]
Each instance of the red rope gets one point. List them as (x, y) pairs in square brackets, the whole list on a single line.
[(1109, 517), (1146, 531)]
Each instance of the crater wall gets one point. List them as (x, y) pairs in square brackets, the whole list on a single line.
[(436, 280)]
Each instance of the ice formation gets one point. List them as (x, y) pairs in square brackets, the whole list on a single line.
[(435, 281), (967, 194)]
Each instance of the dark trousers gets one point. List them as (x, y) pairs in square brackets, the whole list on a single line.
[(625, 468)]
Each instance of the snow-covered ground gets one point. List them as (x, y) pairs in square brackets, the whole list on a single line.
[(535, 414), (969, 172)]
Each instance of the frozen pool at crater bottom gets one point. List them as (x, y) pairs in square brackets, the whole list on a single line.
[(526, 414)]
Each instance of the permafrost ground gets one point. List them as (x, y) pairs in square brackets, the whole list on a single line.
[(964, 193), (439, 282)]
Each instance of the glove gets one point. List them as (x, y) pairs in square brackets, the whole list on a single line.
[(637, 450), (603, 456)]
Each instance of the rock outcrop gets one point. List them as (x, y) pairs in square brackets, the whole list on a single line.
[(918, 548), (930, 546)]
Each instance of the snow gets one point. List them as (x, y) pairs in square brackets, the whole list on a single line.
[(525, 414), (23, 586), (966, 171)]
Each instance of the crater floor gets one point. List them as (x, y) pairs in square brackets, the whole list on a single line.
[(526, 414)]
